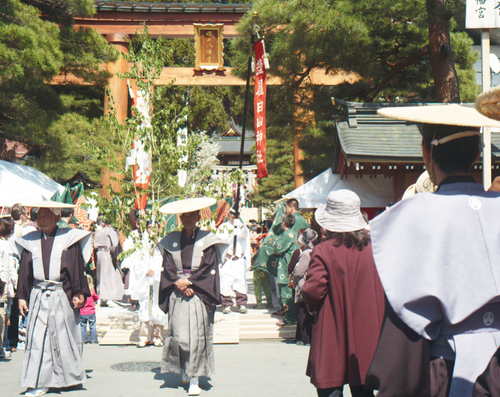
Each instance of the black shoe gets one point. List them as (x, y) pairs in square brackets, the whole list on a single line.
[(279, 312)]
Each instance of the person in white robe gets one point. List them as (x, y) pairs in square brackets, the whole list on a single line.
[(145, 273), (234, 268), (437, 256)]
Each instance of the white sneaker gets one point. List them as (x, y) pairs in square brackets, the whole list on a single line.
[(194, 389), (5, 353), (36, 392), (227, 310), (243, 310)]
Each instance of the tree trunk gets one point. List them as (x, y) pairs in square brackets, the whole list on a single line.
[(440, 53)]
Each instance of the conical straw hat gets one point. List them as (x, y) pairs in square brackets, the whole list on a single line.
[(49, 204), (447, 114), (187, 205), (488, 103)]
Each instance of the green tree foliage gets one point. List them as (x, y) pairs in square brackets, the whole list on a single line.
[(279, 165), (156, 121), (37, 42), (384, 42), (198, 1), (208, 108)]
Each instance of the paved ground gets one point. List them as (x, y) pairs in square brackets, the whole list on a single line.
[(251, 368)]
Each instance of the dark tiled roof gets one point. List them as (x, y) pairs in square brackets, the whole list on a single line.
[(132, 6), (366, 136), (231, 145)]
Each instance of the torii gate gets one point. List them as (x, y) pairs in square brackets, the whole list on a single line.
[(117, 21)]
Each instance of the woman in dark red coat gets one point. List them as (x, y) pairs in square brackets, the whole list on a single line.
[(344, 291)]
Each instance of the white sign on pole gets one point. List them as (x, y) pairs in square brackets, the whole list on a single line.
[(482, 14)]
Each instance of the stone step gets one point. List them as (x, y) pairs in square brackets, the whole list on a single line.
[(267, 335), (117, 325)]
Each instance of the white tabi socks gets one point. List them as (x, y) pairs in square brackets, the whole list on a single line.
[(194, 389), (36, 392)]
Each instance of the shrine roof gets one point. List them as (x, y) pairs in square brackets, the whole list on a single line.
[(131, 6), (368, 137)]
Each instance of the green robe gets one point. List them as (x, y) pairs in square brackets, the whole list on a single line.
[(266, 259), (300, 223), (284, 247)]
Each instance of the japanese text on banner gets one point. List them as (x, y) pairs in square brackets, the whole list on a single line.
[(260, 108)]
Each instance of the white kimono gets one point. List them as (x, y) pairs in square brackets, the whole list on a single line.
[(144, 288), (233, 271)]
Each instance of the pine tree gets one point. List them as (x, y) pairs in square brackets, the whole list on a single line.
[(384, 42), (37, 42)]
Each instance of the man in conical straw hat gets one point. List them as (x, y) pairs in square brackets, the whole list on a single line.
[(189, 293), (488, 383), (437, 256), (52, 282)]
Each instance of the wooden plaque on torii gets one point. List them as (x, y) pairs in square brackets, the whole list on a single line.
[(209, 47)]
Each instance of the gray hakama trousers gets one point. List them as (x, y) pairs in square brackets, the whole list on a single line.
[(109, 279), (189, 340), (53, 356)]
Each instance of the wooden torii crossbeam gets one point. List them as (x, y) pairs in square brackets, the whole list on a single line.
[(170, 20), (117, 21)]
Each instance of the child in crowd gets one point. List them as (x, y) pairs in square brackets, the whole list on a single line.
[(87, 314)]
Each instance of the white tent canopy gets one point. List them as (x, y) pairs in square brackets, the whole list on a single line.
[(22, 184), (373, 192)]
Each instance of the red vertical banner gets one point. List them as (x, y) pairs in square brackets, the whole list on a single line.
[(260, 108)]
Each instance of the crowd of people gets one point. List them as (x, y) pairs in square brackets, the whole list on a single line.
[(407, 304)]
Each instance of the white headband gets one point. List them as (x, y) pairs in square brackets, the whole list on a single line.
[(451, 137)]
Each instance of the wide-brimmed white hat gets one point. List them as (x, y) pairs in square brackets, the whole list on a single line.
[(446, 114), (341, 213), (187, 205)]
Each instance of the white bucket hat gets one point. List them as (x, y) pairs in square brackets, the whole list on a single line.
[(187, 205), (341, 213)]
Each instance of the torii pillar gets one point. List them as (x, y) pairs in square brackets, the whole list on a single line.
[(119, 100), (116, 85)]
